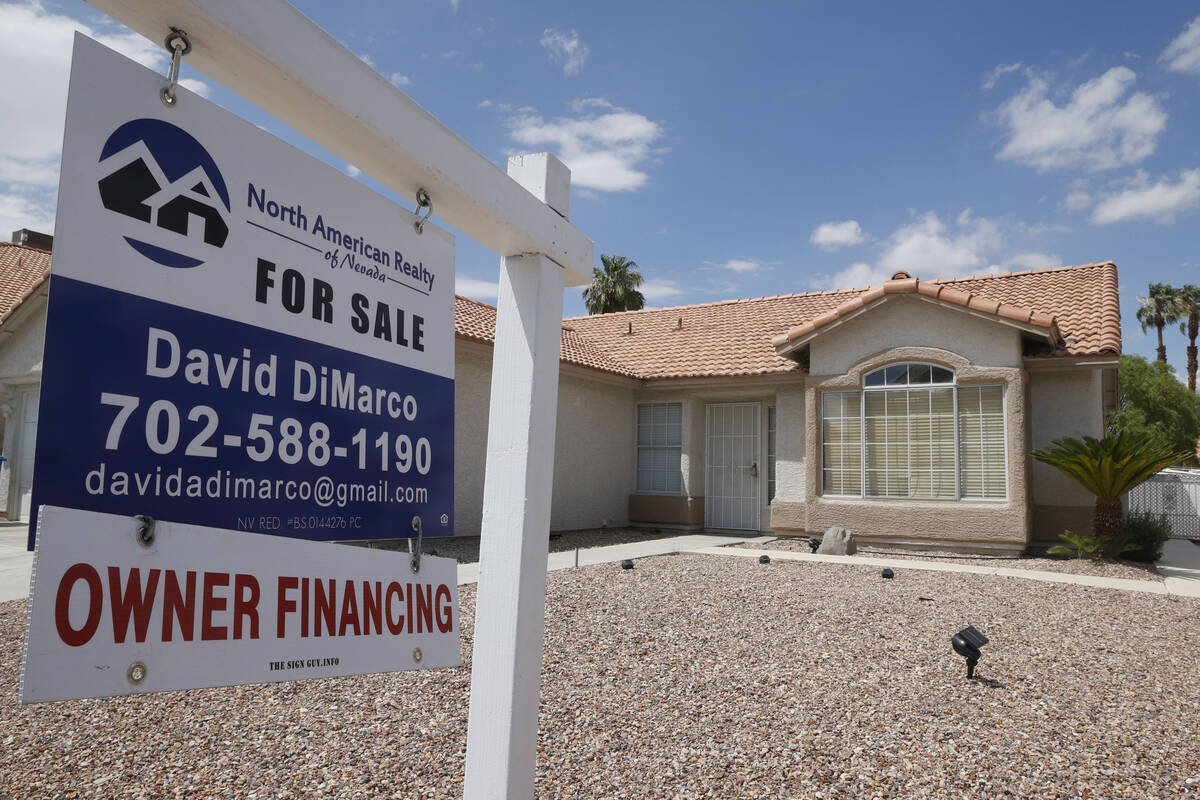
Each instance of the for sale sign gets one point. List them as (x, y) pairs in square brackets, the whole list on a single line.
[(238, 335), (132, 607)]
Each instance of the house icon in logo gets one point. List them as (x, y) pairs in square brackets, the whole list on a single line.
[(445, 519), (168, 188)]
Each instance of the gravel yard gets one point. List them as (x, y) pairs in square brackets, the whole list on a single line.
[(690, 677), (1075, 566)]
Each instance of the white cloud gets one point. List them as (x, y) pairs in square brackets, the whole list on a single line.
[(473, 287), (565, 48), (484, 104), (989, 82), (741, 265), (35, 52), (1031, 261), (366, 59), (449, 55), (399, 79), (1183, 53), (584, 103), (605, 151), (17, 211), (832, 235), (1142, 199), (929, 248), (657, 291), (1101, 126), (353, 171), (1077, 200)]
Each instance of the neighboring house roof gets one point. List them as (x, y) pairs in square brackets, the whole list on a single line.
[(22, 271)]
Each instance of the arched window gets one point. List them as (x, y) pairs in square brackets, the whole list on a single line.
[(912, 432)]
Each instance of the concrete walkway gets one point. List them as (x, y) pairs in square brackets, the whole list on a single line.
[(469, 573)]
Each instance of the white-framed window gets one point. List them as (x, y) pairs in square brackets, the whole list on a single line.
[(770, 453), (660, 448), (912, 432)]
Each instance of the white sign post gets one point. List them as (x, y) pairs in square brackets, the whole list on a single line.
[(134, 607)]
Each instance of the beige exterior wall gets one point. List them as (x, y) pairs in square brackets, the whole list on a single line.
[(594, 446), (1003, 525), (912, 321), (1063, 403)]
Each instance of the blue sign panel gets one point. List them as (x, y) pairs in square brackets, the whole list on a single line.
[(238, 336)]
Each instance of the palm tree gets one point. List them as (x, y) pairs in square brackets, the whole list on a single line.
[(1159, 310), (1189, 308), (614, 288), (1108, 468)]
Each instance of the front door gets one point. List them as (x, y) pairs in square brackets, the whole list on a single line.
[(732, 460)]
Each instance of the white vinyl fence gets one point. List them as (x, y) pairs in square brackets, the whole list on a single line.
[(1175, 493)]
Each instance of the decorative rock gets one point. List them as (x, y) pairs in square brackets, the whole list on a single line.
[(627, 564), (764, 559), (887, 573), (838, 542)]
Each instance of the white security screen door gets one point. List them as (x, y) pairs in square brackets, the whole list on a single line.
[(732, 460)]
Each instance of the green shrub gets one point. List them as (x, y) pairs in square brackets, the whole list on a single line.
[(1146, 534), (1082, 546)]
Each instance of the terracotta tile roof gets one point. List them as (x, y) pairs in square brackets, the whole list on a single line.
[(22, 271), (734, 337), (946, 291), (476, 321)]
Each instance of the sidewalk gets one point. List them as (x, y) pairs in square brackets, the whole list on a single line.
[(1179, 566)]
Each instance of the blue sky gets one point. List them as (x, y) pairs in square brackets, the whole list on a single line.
[(740, 150)]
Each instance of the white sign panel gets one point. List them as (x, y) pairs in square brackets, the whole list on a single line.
[(238, 335), (201, 607)]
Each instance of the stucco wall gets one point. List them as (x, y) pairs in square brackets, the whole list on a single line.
[(594, 454), (472, 390), (1063, 403), (594, 447), (911, 321)]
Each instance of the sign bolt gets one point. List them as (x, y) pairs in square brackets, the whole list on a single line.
[(145, 530), (136, 673)]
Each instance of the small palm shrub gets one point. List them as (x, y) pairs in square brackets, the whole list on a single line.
[(1108, 468), (1147, 533)]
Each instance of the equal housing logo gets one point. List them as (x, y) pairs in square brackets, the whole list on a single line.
[(170, 191)]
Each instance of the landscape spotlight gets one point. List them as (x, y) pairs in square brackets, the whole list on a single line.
[(627, 564), (764, 559), (814, 543), (967, 643), (887, 573)]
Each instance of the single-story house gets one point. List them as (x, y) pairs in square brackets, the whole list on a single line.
[(906, 411)]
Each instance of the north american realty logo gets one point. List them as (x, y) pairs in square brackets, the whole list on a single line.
[(169, 188)]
